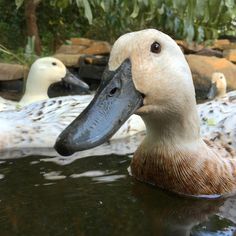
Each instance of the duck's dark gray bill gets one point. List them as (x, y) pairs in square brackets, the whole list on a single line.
[(115, 101), (73, 80), (212, 92)]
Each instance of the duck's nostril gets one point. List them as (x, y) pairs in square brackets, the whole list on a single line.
[(112, 92)]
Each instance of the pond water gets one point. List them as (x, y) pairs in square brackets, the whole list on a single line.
[(96, 196)]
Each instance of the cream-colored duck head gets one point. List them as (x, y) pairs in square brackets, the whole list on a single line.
[(44, 72), (218, 86), (155, 67)]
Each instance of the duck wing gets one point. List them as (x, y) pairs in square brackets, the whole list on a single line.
[(213, 112), (39, 124)]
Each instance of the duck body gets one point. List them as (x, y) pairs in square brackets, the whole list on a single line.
[(173, 154), (213, 174), (38, 124), (213, 112), (217, 117), (7, 104)]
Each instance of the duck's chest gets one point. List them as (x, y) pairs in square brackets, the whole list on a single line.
[(184, 175)]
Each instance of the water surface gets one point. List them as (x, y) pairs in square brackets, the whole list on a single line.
[(96, 196)]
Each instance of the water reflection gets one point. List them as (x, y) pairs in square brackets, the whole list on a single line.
[(171, 214), (96, 196)]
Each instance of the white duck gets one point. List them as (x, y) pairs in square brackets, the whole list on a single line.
[(43, 72), (38, 124), (149, 73), (224, 104)]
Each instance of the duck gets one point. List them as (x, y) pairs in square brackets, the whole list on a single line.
[(43, 72), (220, 107), (36, 121), (148, 75), (218, 86), (37, 125)]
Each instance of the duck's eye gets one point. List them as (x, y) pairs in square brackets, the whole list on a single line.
[(156, 47), (54, 63)]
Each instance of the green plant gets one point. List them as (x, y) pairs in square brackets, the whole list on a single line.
[(58, 20)]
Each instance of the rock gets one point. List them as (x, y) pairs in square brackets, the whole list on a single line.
[(69, 60), (189, 48), (70, 54), (221, 44), (202, 68), (209, 52), (81, 41), (70, 49), (230, 54), (91, 47), (199, 49), (98, 48), (96, 60), (12, 71)]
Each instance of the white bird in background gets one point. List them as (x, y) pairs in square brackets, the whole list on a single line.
[(43, 72)]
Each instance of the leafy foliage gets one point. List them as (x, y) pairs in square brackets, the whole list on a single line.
[(197, 20), (190, 19)]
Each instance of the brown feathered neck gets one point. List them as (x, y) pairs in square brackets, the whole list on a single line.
[(193, 169)]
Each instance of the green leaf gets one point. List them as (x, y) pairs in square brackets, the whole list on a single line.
[(201, 34), (19, 3), (105, 5), (61, 4), (135, 11), (190, 33), (146, 2), (179, 4), (206, 14), (161, 10), (214, 7), (229, 3), (200, 8), (188, 30), (158, 3), (214, 33), (176, 24), (87, 9), (79, 3)]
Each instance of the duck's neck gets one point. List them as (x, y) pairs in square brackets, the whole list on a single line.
[(221, 93), (36, 90), (174, 125), (173, 156)]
